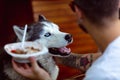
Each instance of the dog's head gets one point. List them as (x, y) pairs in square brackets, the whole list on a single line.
[(48, 34)]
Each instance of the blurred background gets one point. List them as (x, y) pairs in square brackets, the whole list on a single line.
[(21, 12)]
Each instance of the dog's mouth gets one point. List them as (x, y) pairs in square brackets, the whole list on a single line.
[(63, 51)]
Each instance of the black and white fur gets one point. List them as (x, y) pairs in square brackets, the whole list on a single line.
[(48, 34)]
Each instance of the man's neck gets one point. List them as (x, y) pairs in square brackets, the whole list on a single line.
[(104, 35)]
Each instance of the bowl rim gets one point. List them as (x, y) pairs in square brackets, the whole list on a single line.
[(42, 51)]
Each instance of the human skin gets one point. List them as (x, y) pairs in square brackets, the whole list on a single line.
[(33, 72)]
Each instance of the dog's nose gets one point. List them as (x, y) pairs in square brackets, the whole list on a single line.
[(68, 37)]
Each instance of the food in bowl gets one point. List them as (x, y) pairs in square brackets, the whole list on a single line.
[(31, 49), (26, 50)]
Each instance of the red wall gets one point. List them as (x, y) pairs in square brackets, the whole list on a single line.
[(13, 12)]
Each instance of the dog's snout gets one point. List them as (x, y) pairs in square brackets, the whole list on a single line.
[(68, 37)]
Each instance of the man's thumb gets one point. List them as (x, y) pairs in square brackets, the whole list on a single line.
[(33, 62)]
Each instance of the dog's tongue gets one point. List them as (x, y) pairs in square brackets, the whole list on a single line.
[(65, 50)]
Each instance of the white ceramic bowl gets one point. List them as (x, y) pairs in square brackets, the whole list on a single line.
[(23, 58)]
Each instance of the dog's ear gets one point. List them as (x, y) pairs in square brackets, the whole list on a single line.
[(42, 18), (19, 32)]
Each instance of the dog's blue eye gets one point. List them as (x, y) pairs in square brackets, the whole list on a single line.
[(47, 34)]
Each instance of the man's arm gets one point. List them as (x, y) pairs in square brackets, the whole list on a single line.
[(80, 61)]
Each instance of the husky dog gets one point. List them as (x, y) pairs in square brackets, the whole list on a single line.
[(48, 34)]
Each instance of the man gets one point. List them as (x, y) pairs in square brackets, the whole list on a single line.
[(100, 18)]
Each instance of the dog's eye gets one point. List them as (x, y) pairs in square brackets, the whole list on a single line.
[(47, 34)]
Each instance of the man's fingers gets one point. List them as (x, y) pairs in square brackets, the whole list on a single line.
[(16, 66), (33, 62), (24, 70)]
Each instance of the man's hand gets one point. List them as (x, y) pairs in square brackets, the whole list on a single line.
[(33, 72)]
